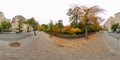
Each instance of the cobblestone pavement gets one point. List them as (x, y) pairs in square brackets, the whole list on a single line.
[(115, 35), (113, 41), (40, 47)]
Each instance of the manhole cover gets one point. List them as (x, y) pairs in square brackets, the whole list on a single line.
[(14, 44)]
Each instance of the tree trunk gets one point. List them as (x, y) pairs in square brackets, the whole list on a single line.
[(86, 32), (76, 23), (34, 32), (50, 35)]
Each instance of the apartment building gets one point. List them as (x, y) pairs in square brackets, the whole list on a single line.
[(112, 20)]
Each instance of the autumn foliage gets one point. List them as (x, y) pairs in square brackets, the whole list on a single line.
[(87, 16), (74, 31), (42, 28), (56, 28), (82, 21), (66, 29)]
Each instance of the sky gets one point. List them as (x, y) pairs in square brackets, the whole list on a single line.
[(45, 10)]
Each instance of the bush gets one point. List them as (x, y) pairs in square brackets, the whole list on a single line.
[(66, 30), (42, 28), (56, 28), (74, 31)]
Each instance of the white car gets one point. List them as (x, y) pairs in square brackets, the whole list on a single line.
[(109, 31)]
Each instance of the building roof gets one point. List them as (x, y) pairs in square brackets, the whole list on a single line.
[(18, 17)]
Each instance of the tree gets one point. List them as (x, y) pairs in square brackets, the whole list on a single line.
[(114, 26), (74, 16), (72, 24), (28, 28), (5, 26), (66, 29), (81, 26), (56, 28), (60, 25), (20, 25), (86, 16), (50, 27), (33, 24), (42, 28), (45, 27)]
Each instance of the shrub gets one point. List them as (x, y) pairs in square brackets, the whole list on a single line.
[(73, 31), (56, 29), (66, 30), (42, 28)]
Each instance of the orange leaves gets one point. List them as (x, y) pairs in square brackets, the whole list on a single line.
[(66, 29), (71, 43), (92, 36)]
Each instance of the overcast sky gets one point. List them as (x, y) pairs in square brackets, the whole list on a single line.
[(45, 10)]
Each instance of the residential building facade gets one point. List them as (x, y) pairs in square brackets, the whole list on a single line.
[(18, 23), (112, 20)]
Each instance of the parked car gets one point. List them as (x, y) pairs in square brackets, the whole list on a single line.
[(109, 31)]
